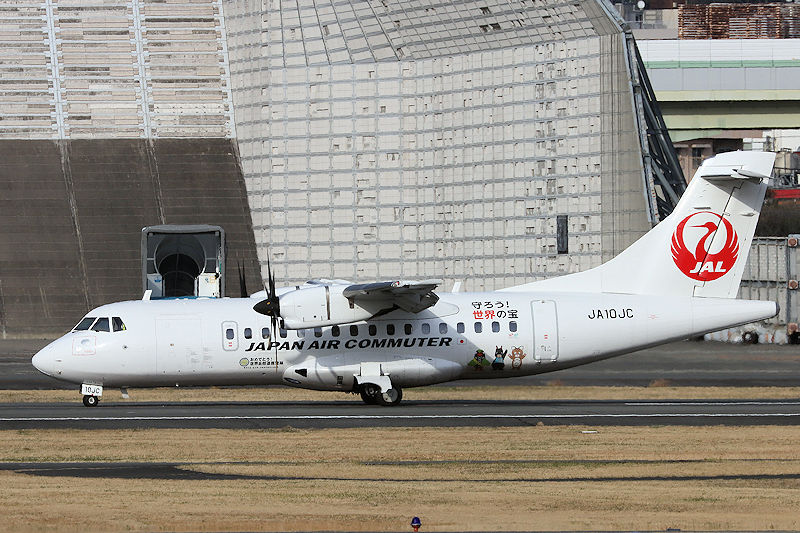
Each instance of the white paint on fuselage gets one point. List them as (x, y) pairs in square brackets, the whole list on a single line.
[(182, 342)]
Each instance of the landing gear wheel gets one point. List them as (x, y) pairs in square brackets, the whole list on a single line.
[(370, 393), (90, 401), (391, 396)]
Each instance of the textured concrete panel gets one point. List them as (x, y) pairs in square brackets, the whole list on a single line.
[(201, 183), (72, 214), (116, 68), (382, 140), (41, 277), (115, 198), (622, 197)]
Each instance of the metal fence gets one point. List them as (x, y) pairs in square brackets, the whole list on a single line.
[(771, 274)]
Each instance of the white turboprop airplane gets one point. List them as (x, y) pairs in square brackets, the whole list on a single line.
[(677, 281)]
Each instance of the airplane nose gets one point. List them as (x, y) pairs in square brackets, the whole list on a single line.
[(45, 360)]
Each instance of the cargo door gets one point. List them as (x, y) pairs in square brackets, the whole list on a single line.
[(545, 331), (179, 345)]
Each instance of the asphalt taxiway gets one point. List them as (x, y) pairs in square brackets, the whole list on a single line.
[(679, 364), (194, 471), (354, 414)]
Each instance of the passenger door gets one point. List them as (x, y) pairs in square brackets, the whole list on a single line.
[(545, 331)]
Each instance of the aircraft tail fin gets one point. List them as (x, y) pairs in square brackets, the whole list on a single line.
[(698, 250)]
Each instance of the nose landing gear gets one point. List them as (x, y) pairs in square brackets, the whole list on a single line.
[(91, 394), (90, 401)]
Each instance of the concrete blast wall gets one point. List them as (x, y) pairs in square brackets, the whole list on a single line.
[(72, 214)]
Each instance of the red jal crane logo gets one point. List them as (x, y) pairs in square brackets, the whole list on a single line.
[(701, 228)]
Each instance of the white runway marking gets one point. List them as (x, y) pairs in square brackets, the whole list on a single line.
[(394, 417), (744, 402)]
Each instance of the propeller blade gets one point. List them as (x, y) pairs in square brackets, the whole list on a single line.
[(271, 306), (271, 277), (242, 281), (275, 333)]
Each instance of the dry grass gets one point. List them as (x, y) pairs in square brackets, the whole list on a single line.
[(453, 478), (658, 390)]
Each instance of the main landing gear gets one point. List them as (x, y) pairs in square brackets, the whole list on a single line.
[(90, 401), (371, 395)]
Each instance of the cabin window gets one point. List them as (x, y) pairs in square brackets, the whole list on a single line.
[(265, 333), (301, 333), (478, 327), (229, 334), (335, 331), (318, 332), (248, 333), (495, 327), (442, 327), (101, 325), (117, 324), (354, 331), (426, 328), (283, 333), (85, 324), (373, 330), (512, 326), (390, 329), (460, 327), (408, 329)]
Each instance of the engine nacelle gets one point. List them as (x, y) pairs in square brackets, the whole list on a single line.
[(323, 305)]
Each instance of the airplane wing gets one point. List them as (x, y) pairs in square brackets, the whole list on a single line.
[(411, 296), (322, 303)]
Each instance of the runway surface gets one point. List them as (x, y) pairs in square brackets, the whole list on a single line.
[(679, 364), (354, 414)]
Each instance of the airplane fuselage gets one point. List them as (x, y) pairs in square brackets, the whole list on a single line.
[(464, 336), (678, 280)]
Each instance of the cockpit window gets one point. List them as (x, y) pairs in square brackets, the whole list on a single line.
[(101, 324), (118, 324), (84, 324)]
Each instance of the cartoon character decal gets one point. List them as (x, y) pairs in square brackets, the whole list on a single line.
[(516, 356), (499, 358), (479, 361)]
